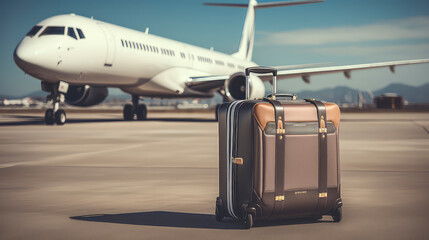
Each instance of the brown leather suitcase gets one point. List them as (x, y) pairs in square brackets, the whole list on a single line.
[(278, 158)]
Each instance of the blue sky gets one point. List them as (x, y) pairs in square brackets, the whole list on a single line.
[(336, 31)]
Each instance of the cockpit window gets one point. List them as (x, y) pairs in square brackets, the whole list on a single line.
[(71, 33), (53, 31), (80, 33), (34, 31)]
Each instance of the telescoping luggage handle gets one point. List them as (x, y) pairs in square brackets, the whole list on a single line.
[(265, 70), (260, 70)]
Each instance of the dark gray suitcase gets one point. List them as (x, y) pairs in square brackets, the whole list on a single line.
[(278, 158)]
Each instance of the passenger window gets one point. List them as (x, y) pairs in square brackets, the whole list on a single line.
[(80, 33), (34, 31), (53, 31), (70, 32)]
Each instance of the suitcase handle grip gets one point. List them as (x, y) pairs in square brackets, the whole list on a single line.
[(283, 95), (261, 70)]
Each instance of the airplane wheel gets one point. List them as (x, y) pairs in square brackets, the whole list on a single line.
[(49, 117), (141, 112), (128, 112), (60, 117)]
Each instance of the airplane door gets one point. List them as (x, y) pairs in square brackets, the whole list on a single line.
[(110, 41)]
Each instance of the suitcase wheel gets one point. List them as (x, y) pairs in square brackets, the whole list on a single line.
[(248, 221), (338, 214), (218, 213)]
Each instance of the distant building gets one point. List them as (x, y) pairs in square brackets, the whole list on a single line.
[(389, 101)]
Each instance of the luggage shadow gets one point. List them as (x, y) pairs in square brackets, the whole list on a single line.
[(286, 222), (163, 219)]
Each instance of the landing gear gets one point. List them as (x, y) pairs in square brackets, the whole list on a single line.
[(55, 115), (140, 110), (60, 117), (128, 112), (49, 117)]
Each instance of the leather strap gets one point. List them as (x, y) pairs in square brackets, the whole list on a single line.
[(323, 156), (279, 196)]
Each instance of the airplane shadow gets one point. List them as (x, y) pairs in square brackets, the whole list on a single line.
[(183, 220), (41, 121), (36, 120)]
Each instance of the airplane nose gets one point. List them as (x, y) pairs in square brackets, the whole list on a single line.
[(24, 56)]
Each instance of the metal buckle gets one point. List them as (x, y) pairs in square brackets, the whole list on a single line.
[(323, 130), (238, 161), (280, 198), (280, 129), (323, 195)]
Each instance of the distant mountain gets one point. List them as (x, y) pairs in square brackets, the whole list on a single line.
[(337, 95), (3, 96), (418, 94)]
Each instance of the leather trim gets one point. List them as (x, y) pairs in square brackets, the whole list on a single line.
[(333, 113), (279, 200), (295, 112), (323, 157), (299, 128)]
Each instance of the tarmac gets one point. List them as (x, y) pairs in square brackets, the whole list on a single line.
[(99, 177)]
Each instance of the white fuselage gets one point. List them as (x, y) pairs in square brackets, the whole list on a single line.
[(113, 56)]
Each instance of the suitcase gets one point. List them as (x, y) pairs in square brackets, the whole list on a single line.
[(278, 158)]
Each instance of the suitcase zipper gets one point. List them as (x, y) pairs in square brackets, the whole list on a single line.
[(229, 157)]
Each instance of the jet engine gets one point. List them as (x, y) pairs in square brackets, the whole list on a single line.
[(85, 95), (235, 87)]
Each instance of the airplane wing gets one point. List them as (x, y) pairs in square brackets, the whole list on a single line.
[(346, 70), (287, 67), (207, 83)]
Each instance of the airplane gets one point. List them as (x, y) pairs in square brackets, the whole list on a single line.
[(26, 102), (78, 58)]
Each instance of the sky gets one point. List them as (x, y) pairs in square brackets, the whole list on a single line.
[(336, 32)]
